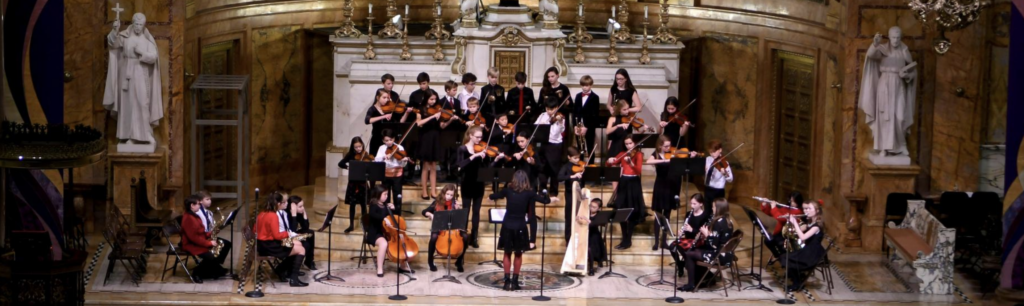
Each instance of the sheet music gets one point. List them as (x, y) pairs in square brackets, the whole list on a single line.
[(498, 215)]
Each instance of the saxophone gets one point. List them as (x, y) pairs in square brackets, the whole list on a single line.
[(288, 242), (216, 231)]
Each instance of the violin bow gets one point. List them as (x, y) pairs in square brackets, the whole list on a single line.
[(727, 154), (402, 140)]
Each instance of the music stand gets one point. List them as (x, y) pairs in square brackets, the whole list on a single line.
[(601, 175), (674, 299), (495, 176), (685, 168), (541, 134), (650, 143), (661, 223), (328, 222), (446, 221), (756, 224), (369, 172), (230, 221), (620, 216), (497, 216)]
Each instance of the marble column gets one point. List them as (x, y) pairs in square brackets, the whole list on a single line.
[(880, 181)]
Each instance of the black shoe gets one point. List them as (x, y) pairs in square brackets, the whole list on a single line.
[(459, 268), (474, 244), (380, 274), (508, 283), (655, 247), (433, 268), (686, 288), (197, 280), (515, 283), (590, 272), (295, 282), (283, 277), (311, 266), (348, 230), (425, 198), (600, 264), (410, 271)]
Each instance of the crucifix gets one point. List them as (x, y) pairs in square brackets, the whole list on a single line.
[(117, 10)]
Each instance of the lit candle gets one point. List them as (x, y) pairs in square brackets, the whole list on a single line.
[(371, 8), (581, 10), (438, 10), (613, 11), (406, 10), (645, 12)]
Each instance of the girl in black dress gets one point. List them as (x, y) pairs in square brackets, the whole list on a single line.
[(355, 193), (800, 261), (695, 219), (629, 193), (376, 117), (597, 250), (430, 150), (551, 87), (520, 159), (469, 162), (446, 202), (520, 203), (624, 90), (666, 187), (379, 207), (716, 233), (674, 131)]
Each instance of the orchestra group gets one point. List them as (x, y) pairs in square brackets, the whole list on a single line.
[(461, 131)]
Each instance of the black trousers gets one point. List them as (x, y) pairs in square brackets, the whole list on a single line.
[(210, 266), (551, 163), (394, 186), (569, 203), (432, 248), (310, 245), (472, 198)]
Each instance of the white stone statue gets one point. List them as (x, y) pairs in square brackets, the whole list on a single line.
[(133, 93), (468, 8), (887, 95), (549, 8)]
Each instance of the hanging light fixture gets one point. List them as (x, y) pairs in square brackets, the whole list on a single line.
[(947, 15)]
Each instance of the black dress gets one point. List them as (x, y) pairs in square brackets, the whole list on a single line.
[(618, 139), (375, 229), (515, 237), (671, 130), (720, 232), (696, 222), (430, 149), (376, 139), (809, 255), (626, 94), (355, 193), (665, 188), (598, 249), (560, 93)]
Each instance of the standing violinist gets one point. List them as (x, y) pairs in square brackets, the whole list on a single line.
[(551, 151), (394, 165), (629, 193), (567, 175), (378, 115), (450, 102), (473, 116), (503, 135), (469, 160), (430, 150), (446, 202), (355, 192), (666, 187), (521, 158), (492, 94), (673, 124), (718, 172), (618, 129), (379, 208)]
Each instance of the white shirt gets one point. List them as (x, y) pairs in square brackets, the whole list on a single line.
[(718, 179), (206, 217), (584, 99), (555, 136), (390, 162), (282, 223), (464, 99)]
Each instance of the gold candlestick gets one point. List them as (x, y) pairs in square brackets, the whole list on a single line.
[(390, 30), (579, 32), (405, 40), (437, 29), (438, 52), (623, 34), (612, 57), (369, 54), (348, 28), (663, 35), (645, 57)]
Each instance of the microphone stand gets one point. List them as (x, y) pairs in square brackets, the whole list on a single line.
[(785, 300), (674, 299), (398, 260), (541, 297)]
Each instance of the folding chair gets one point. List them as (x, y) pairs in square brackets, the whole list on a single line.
[(727, 250), (824, 267), (364, 247), (168, 231)]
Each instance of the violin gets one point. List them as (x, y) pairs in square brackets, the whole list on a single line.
[(433, 110), (398, 240), (679, 119), (558, 116), (365, 157), (477, 119), (682, 153), (528, 152), (579, 167), (395, 153), (722, 164), (449, 243), (394, 107)]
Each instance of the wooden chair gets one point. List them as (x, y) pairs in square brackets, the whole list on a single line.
[(364, 247), (168, 231), (728, 249)]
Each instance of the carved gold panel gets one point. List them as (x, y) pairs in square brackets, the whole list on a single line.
[(509, 63)]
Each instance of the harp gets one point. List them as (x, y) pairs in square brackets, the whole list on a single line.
[(575, 260)]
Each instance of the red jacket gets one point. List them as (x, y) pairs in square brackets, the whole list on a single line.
[(778, 212), (267, 227), (194, 238), (627, 168)]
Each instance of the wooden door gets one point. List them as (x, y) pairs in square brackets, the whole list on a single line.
[(794, 100)]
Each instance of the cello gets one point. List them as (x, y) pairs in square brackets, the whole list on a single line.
[(401, 248), (449, 242)]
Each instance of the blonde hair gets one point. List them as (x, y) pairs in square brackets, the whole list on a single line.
[(618, 106), (586, 80), (493, 72), (473, 101)]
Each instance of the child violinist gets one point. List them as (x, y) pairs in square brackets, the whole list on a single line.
[(551, 151), (394, 164), (666, 187), (629, 193), (377, 117), (446, 202), (718, 172), (355, 193), (474, 117), (567, 175), (674, 125), (470, 160), (430, 150), (618, 129)]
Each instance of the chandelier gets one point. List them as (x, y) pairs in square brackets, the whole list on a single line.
[(947, 15)]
